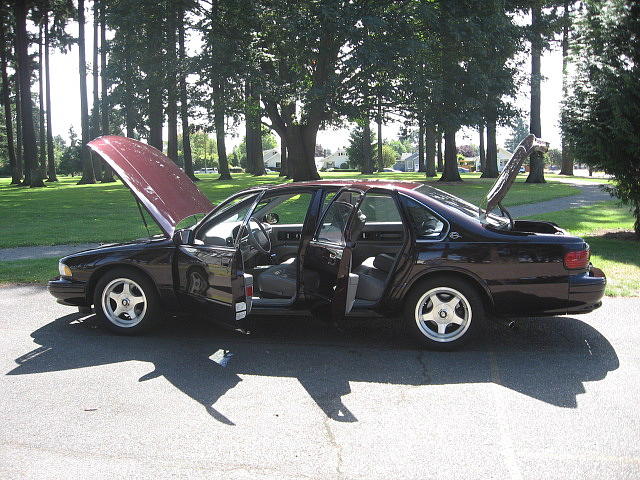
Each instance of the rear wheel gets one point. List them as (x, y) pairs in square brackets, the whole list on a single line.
[(126, 301), (443, 313)]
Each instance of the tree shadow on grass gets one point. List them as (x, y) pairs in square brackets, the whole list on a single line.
[(548, 359)]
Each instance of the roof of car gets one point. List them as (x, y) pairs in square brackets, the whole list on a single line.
[(355, 182)]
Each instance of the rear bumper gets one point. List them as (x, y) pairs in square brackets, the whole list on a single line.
[(586, 291), (68, 292)]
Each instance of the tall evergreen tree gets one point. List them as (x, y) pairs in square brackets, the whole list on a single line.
[(88, 174)]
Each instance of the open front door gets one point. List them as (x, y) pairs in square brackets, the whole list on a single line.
[(326, 262), (210, 269), (212, 283)]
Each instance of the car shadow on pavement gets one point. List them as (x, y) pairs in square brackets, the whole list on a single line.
[(549, 359)]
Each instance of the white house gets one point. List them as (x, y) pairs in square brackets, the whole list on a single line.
[(503, 157), (271, 158), (408, 162), (338, 159)]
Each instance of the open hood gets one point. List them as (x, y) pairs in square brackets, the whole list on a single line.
[(164, 190), (510, 171)]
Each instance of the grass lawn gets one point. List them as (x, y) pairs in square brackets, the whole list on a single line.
[(38, 270), (600, 225), (68, 213)]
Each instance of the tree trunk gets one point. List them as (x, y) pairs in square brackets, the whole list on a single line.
[(430, 149), (129, 119), (172, 97), (16, 175), (491, 161), (88, 174), (439, 149), (42, 136), (155, 84), (51, 165), (367, 161), (28, 132), (255, 161), (184, 107), (483, 160), (567, 158), (95, 117), (536, 161), (421, 161), (450, 172), (379, 122), (20, 166), (107, 175), (301, 143), (218, 115), (284, 161)]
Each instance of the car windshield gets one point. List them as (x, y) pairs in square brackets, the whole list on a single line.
[(463, 206)]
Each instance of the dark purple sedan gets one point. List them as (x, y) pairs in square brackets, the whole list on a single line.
[(437, 263)]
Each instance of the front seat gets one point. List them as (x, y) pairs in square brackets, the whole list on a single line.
[(279, 280), (372, 275)]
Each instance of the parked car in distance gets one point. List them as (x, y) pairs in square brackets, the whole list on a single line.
[(336, 248), (391, 170), (463, 170)]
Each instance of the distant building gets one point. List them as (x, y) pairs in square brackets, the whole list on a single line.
[(272, 158), (408, 162), (503, 157), (338, 159)]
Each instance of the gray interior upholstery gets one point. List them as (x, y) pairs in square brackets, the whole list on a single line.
[(373, 275), (279, 280)]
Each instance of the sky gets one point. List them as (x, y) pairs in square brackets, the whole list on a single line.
[(65, 108)]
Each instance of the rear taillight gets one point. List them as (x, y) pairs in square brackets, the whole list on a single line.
[(577, 259), (248, 291)]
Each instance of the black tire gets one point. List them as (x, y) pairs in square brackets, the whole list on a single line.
[(469, 308), (141, 318)]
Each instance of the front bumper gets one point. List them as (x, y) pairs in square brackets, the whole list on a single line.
[(68, 292), (586, 291)]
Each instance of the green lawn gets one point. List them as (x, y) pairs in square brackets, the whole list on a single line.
[(28, 271), (68, 213), (620, 259)]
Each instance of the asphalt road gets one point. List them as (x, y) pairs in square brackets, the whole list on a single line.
[(557, 398)]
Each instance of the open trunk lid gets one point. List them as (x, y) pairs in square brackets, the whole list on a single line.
[(164, 190), (510, 171)]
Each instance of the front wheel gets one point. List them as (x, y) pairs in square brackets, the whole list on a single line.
[(126, 301), (443, 313)]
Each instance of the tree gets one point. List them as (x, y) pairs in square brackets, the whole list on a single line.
[(389, 156), (16, 170), (107, 175), (88, 174), (567, 159), (519, 130), (536, 162), (30, 150), (600, 116), (361, 147), (184, 106)]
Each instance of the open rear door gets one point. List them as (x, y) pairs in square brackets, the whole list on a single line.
[(326, 262)]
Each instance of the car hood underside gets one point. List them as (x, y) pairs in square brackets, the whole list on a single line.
[(164, 190)]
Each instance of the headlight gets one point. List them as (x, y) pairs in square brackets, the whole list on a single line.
[(64, 270)]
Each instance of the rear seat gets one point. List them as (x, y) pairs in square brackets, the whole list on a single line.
[(373, 275)]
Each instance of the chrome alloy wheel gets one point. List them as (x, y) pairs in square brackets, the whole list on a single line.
[(124, 302), (443, 314)]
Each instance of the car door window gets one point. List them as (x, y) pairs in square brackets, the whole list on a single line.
[(424, 223), (335, 218), (223, 228), (290, 208), (380, 208)]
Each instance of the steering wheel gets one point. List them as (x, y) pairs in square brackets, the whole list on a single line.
[(262, 244)]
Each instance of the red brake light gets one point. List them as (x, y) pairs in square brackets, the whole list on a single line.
[(248, 291), (577, 259)]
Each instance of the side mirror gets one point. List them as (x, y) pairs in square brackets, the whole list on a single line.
[(183, 236), (271, 218)]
